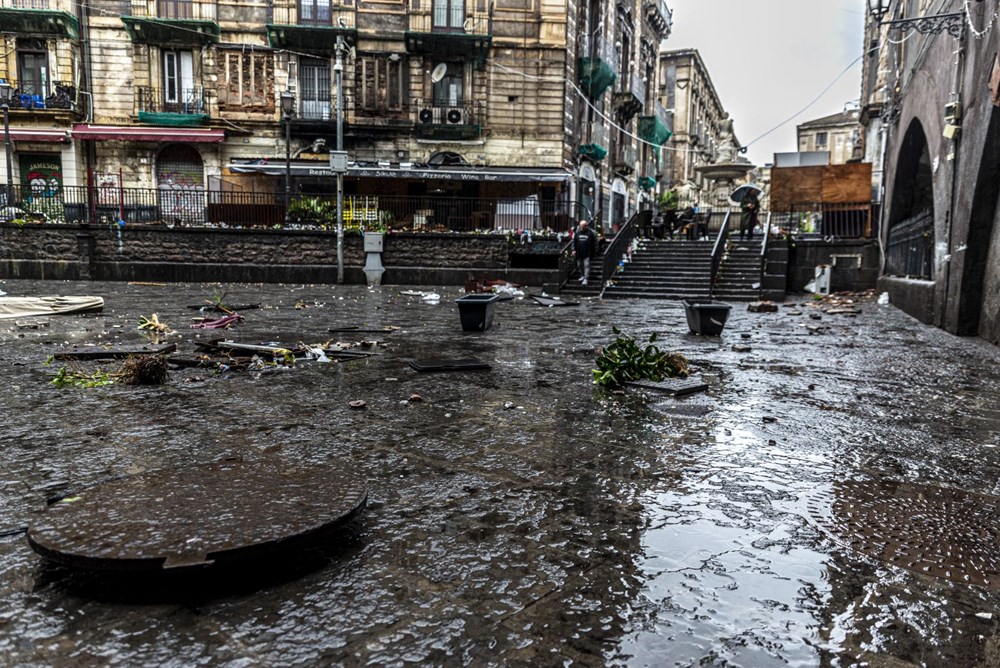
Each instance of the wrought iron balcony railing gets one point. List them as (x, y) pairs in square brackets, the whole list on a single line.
[(201, 10), (180, 101), (32, 95), (313, 13)]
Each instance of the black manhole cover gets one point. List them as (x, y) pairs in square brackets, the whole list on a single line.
[(945, 533), (197, 516)]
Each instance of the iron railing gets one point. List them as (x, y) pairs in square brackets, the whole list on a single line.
[(196, 207), (909, 249), (181, 101), (718, 251), (434, 112), (848, 220), (34, 95), (204, 10), (312, 13), (620, 244)]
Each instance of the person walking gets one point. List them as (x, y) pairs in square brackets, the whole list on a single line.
[(584, 247), (748, 215)]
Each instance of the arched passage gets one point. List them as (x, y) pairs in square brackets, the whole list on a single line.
[(977, 268), (910, 244), (180, 181)]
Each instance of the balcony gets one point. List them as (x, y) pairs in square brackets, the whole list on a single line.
[(630, 97), (626, 160), (182, 108), (182, 23), (38, 17), (659, 17), (28, 96), (311, 27), (655, 128), (597, 71), (463, 120), (443, 35)]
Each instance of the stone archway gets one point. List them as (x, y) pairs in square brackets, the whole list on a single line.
[(910, 239), (981, 261)]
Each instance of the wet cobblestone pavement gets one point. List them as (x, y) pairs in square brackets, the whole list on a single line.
[(828, 501)]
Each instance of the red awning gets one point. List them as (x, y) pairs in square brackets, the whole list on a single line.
[(146, 133), (39, 134)]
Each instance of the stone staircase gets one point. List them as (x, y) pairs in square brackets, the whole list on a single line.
[(668, 269), (665, 269), (593, 287)]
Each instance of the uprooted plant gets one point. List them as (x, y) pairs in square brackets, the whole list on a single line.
[(625, 360), (135, 370)]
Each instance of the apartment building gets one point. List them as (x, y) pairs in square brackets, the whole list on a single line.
[(837, 134), (547, 99)]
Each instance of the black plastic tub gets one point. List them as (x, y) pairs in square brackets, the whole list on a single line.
[(708, 317), (476, 311)]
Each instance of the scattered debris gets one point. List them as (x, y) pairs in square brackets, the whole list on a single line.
[(117, 352), (625, 360), (153, 324), (507, 405), (356, 329), (19, 307), (768, 418), (741, 348), (762, 307), (143, 370), (224, 322), (358, 405), (415, 398), (816, 316), (552, 301), (844, 311), (449, 365), (677, 387)]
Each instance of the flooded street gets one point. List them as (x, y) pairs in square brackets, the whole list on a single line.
[(829, 500)]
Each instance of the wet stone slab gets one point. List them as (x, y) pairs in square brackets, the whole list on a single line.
[(520, 516)]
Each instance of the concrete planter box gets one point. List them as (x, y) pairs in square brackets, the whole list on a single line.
[(477, 311), (707, 318)]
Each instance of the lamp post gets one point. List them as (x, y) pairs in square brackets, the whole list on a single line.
[(338, 68), (878, 8), (287, 111), (6, 93)]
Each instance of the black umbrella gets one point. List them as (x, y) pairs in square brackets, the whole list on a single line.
[(741, 193)]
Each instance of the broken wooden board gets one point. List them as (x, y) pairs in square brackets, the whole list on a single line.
[(677, 387), (117, 352), (448, 365), (356, 329)]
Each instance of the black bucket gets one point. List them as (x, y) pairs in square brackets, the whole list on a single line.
[(707, 318), (476, 311)]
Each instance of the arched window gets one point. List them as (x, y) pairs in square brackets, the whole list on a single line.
[(910, 243)]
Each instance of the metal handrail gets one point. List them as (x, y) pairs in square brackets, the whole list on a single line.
[(718, 250), (763, 255), (620, 243)]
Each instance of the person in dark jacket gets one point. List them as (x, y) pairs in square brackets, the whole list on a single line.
[(748, 216), (584, 247)]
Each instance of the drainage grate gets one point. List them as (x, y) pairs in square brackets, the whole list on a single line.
[(945, 533)]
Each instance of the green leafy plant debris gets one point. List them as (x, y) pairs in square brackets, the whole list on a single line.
[(625, 360)]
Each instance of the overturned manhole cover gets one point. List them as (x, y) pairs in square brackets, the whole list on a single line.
[(931, 530), (198, 516)]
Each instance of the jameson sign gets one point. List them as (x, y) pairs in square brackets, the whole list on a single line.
[(42, 185)]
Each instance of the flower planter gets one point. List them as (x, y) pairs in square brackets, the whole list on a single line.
[(476, 311), (706, 317)]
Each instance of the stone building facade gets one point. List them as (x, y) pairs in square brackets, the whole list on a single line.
[(547, 99), (931, 109), (697, 113), (837, 134)]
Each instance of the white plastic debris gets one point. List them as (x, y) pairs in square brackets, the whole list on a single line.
[(430, 298), (883, 298), (318, 355), (986, 616)]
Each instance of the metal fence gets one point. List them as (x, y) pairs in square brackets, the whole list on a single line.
[(909, 250), (215, 208)]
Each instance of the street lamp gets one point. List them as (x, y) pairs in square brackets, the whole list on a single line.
[(287, 111), (878, 8), (6, 94)]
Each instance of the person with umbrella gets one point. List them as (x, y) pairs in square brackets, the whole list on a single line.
[(749, 207)]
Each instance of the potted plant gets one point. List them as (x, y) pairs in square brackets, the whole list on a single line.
[(476, 311)]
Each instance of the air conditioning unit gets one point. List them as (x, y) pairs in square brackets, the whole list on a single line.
[(426, 115), (454, 115)]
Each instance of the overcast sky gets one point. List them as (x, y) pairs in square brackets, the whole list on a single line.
[(770, 58)]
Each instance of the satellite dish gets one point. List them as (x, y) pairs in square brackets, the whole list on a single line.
[(439, 72)]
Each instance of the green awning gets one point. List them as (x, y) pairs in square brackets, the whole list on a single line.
[(654, 130), (595, 76), (647, 182), (173, 120), (593, 151)]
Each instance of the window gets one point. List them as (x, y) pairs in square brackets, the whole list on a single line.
[(246, 81), (448, 15), (448, 91), (820, 139), (382, 83), (33, 68), (178, 80), (314, 11), (314, 81), (175, 9)]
